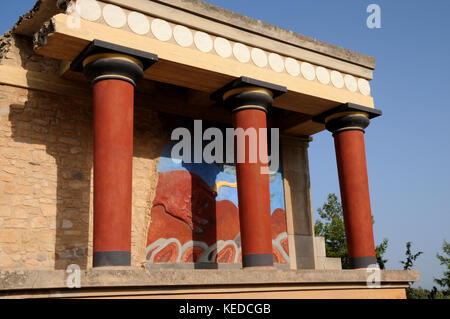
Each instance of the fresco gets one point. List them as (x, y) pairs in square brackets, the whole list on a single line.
[(195, 217)]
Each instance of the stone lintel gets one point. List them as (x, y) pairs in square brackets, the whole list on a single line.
[(133, 277)]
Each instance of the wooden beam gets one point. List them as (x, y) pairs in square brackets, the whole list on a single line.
[(191, 68), (307, 127), (19, 77), (157, 96)]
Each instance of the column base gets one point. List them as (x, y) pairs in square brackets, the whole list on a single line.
[(112, 258), (362, 262), (257, 260)]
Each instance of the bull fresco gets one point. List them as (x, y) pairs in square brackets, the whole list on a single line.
[(195, 216)]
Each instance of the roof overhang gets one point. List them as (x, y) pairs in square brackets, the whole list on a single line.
[(318, 76)]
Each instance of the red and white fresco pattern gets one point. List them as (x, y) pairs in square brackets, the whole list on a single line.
[(188, 225)]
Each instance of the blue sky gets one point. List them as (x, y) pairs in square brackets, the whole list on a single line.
[(408, 148)]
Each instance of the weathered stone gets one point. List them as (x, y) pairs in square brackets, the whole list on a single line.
[(39, 222), (24, 190), (12, 249), (10, 169), (75, 150), (19, 212), (48, 210), (31, 263), (28, 236), (48, 190), (76, 184), (72, 232), (16, 223), (5, 261), (9, 236), (70, 141), (31, 202), (43, 201), (39, 156), (9, 189), (31, 247), (67, 224), (19, 264), (5, 177), (5, 211), (121, 278)]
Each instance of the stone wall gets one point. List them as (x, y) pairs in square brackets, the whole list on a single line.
[(46, 153)]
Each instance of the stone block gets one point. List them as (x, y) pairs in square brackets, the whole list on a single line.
[(9, 236), (320, 246), (333, 263), (5, 211), (48, 209), (39, 222), (16, 223)]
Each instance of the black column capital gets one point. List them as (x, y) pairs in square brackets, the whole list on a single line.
[(347, 117), (247, 93), (103, 60)]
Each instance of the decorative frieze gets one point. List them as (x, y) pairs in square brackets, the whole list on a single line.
[(148, 26)]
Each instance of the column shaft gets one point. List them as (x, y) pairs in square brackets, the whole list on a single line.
[(347, 122), (249, 101), (353, 181), (253, 195), (113, 159)]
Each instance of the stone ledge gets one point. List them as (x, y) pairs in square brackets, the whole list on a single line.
[(133, 277)]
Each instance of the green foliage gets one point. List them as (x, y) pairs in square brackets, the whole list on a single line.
[(380, 250), (410, 257), (331, 226), (421, 293), (417, 293), (444, 282)]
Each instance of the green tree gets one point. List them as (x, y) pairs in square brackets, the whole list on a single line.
[(414, 293), (444, 282), (438, 294), (410, 257), (418, 293), (434, 293), (380, 250), (331, 226)]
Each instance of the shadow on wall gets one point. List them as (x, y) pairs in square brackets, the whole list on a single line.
[(65, 129), (62, 127)]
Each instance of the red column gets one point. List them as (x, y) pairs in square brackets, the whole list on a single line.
[(249, 101), (253, 196), (354, 185), (113, 71), (113, 158), (347, 123)]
